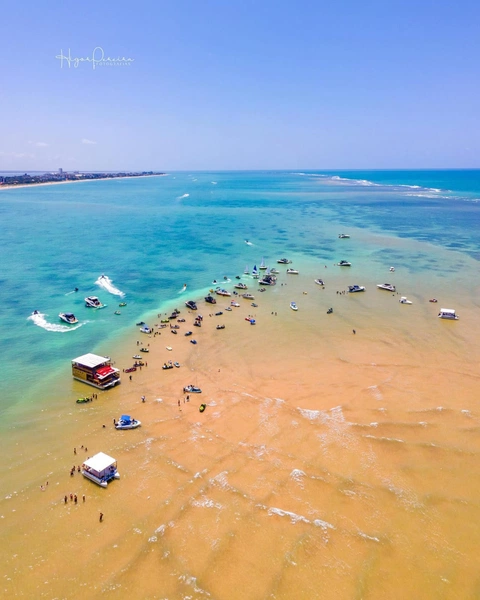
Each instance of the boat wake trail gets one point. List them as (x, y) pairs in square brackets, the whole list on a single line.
[(184, 196), (106, 283), (183, 289), (40, 321)]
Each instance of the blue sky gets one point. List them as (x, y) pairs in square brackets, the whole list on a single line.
[(233, 84)]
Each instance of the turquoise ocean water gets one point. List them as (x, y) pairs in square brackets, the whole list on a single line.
[(150, 236)]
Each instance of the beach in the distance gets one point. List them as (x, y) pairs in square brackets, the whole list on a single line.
[(334, 450)]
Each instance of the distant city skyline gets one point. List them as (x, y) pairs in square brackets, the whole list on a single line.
[(243, 85)]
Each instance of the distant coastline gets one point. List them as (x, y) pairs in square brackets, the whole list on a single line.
[(23, 181)]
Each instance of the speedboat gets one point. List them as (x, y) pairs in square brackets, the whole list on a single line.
[(176, 364), (392, 269), (191, 305), (268, 280), (122, 304), (283, 261), (168, 365), (192, 389), (433, 300), (293, 306), (144, 350), (217, 314), (448, 313), (292, 272), (329, 311), (386, 286), (210, 299), (145, 329), (220, 326), (248, 296), (343, 236), (222, 292), (254, 305), (69, 318), (319, 282), (356, 288), (233, 303), (36, 312), (274, 271), (188, 333), (241, 286), (126, 422), (403, 300), (344, 263), (117, 312), (93, 302)]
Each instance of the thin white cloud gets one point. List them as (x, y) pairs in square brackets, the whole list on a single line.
[(17, 154), (86, 141), (38, 144)]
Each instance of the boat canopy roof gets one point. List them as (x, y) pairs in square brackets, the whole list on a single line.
[(100, 462), (127, 418), (91, 360), (449, 311), (69, 314)]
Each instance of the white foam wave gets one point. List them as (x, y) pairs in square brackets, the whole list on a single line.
[(40, 321), (214, 183), (207, 503), (294, 518), (184, 196), (106, 283)]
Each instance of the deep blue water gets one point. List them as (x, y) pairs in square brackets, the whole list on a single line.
[(152, 235)]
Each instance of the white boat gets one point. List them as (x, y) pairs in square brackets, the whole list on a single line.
[(392, 269), (248, 296), (241, 286), (247, 271), (448, 313), (262, 265), (344, 263), (255, 271), (69, 318), (283, 261), (293, 306), (386, 286), (403, 300), (274, 271), (233, 303), (319, 282), (101, 469), (292, 272), (343, 236), (222, 292), (126, 422), (356, 288), (93, 302)]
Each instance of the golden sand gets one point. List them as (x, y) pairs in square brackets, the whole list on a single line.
[(327, 464)]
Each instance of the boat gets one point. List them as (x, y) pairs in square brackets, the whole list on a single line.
[(254, 271), (202, 407), (241, 286), (262, 266), (222, 292), (344, 263), (268, 279), (274, 271), (386, 286), (168, 365), (293, 306), (329, 311), (248, 296), (131, 369), (192, 389), (188, 333), (169, 348), (69, 318), (117, 312), (292, 272), (343, 236), (433, 300), (403, 300), (176, 364), (191, 305), (101, 469), (173, 331), (137, 357), (145, 329), (144, 350), (448, 313), (220, 326), (193, 341), (126, 422), (36, 312), (96, 371), (93, 302), (319, 282), (283, 261), (140, 323), (247, 271), (83, 400), (122, 304), (233, 303), (229, 308), (356, 288), (392, 269), (254, 305)]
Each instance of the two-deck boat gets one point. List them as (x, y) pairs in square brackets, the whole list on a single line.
[(69, 318), (93, 302)]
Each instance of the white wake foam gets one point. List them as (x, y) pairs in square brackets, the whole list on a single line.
[(106, 283), (184, 196)]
